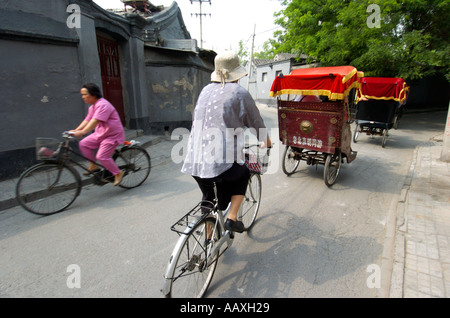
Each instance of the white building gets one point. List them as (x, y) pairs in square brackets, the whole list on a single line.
[(263, 74)]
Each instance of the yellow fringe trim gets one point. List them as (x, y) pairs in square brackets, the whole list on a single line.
[(331, 96), (403, 92)]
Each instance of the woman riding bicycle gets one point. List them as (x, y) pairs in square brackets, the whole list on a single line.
[(108, 134), (216, 140)]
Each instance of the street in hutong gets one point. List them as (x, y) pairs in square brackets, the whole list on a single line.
[(381, 229)]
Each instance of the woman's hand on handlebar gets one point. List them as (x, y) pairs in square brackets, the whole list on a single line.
[(267, 144), (76, 133)]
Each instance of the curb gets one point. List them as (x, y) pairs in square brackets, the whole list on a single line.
[(8, 203), (393, 257), (398, 268)]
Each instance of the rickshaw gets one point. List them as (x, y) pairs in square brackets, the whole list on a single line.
[(314, 117), (380, 106)]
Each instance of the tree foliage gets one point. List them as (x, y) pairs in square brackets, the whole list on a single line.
[(394, 38), (242, 52)]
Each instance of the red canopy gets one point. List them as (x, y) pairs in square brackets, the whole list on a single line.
[(386, 88), (334, 82)]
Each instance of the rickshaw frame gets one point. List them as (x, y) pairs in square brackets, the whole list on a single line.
[(317, 132), (380, 105)]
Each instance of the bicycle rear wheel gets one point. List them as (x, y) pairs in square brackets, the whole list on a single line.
[(332, 168), (190, 273), (135, 161), (290, 163), (250, 206), (48, 188)]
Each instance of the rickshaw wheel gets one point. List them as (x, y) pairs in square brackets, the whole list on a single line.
[(332, 167), (290, 164), (396, 119), (356, 133), (385, 134)]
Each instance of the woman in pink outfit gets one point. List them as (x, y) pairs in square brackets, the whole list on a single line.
[(108, 133)]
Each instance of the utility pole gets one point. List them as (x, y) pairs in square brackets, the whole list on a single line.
[(201, 15), (251, 59)]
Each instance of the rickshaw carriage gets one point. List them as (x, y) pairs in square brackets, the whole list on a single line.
[(315, 124), (380, 106)]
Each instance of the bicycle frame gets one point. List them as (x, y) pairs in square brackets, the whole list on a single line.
[(203, 237), (225, 235), (219, 215), (39, 187), (219, 225), (65, 157)]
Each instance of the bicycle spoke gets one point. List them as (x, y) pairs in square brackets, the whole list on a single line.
[(192, 273), (136, 163), (195, 257), (250, 206), (47, 188)]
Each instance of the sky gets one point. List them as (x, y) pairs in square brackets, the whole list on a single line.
[(230, 21)]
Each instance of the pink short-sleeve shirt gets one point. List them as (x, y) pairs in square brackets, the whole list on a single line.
[(109, 126)]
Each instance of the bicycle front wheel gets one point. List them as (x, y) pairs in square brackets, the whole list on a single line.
[(250, 206), (191, 268), (135, 162), (48, 188)]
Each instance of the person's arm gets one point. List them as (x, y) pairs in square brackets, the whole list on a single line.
[(82, 130), (267, 143), (82, 125), (253, 119)]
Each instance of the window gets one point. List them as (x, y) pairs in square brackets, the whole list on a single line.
[(264, 77)]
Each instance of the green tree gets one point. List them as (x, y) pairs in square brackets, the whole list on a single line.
[(268, 50), (398, 38), (242, 52)]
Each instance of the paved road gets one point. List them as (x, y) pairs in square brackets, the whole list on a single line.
[(309, 240)]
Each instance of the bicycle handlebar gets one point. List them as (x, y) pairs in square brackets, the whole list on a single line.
[(67, 134), (257, 145)]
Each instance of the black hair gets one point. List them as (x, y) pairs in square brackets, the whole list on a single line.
[(93, 90)]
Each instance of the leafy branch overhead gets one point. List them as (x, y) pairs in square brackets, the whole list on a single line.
[(392, 38)]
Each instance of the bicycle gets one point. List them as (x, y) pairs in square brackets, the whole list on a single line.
[(203, 238), (52, 185)]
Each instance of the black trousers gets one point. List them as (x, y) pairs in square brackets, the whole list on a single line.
[(234, 181)]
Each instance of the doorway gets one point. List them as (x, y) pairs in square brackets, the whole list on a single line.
[(108, 51)]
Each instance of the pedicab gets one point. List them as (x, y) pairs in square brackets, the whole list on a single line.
[(380, 106), (314, 117)]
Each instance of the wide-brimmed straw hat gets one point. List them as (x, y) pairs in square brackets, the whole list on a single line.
[(227, 68)]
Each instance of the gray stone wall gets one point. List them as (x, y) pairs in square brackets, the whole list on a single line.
[(175, 79), (44, 62)]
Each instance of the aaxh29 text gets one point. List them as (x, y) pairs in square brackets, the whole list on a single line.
[(229, 307)]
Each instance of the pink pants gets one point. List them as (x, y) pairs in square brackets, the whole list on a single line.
[(104, 154)]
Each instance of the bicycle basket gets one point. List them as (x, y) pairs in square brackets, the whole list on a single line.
[(257, 161), (47, 148)]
